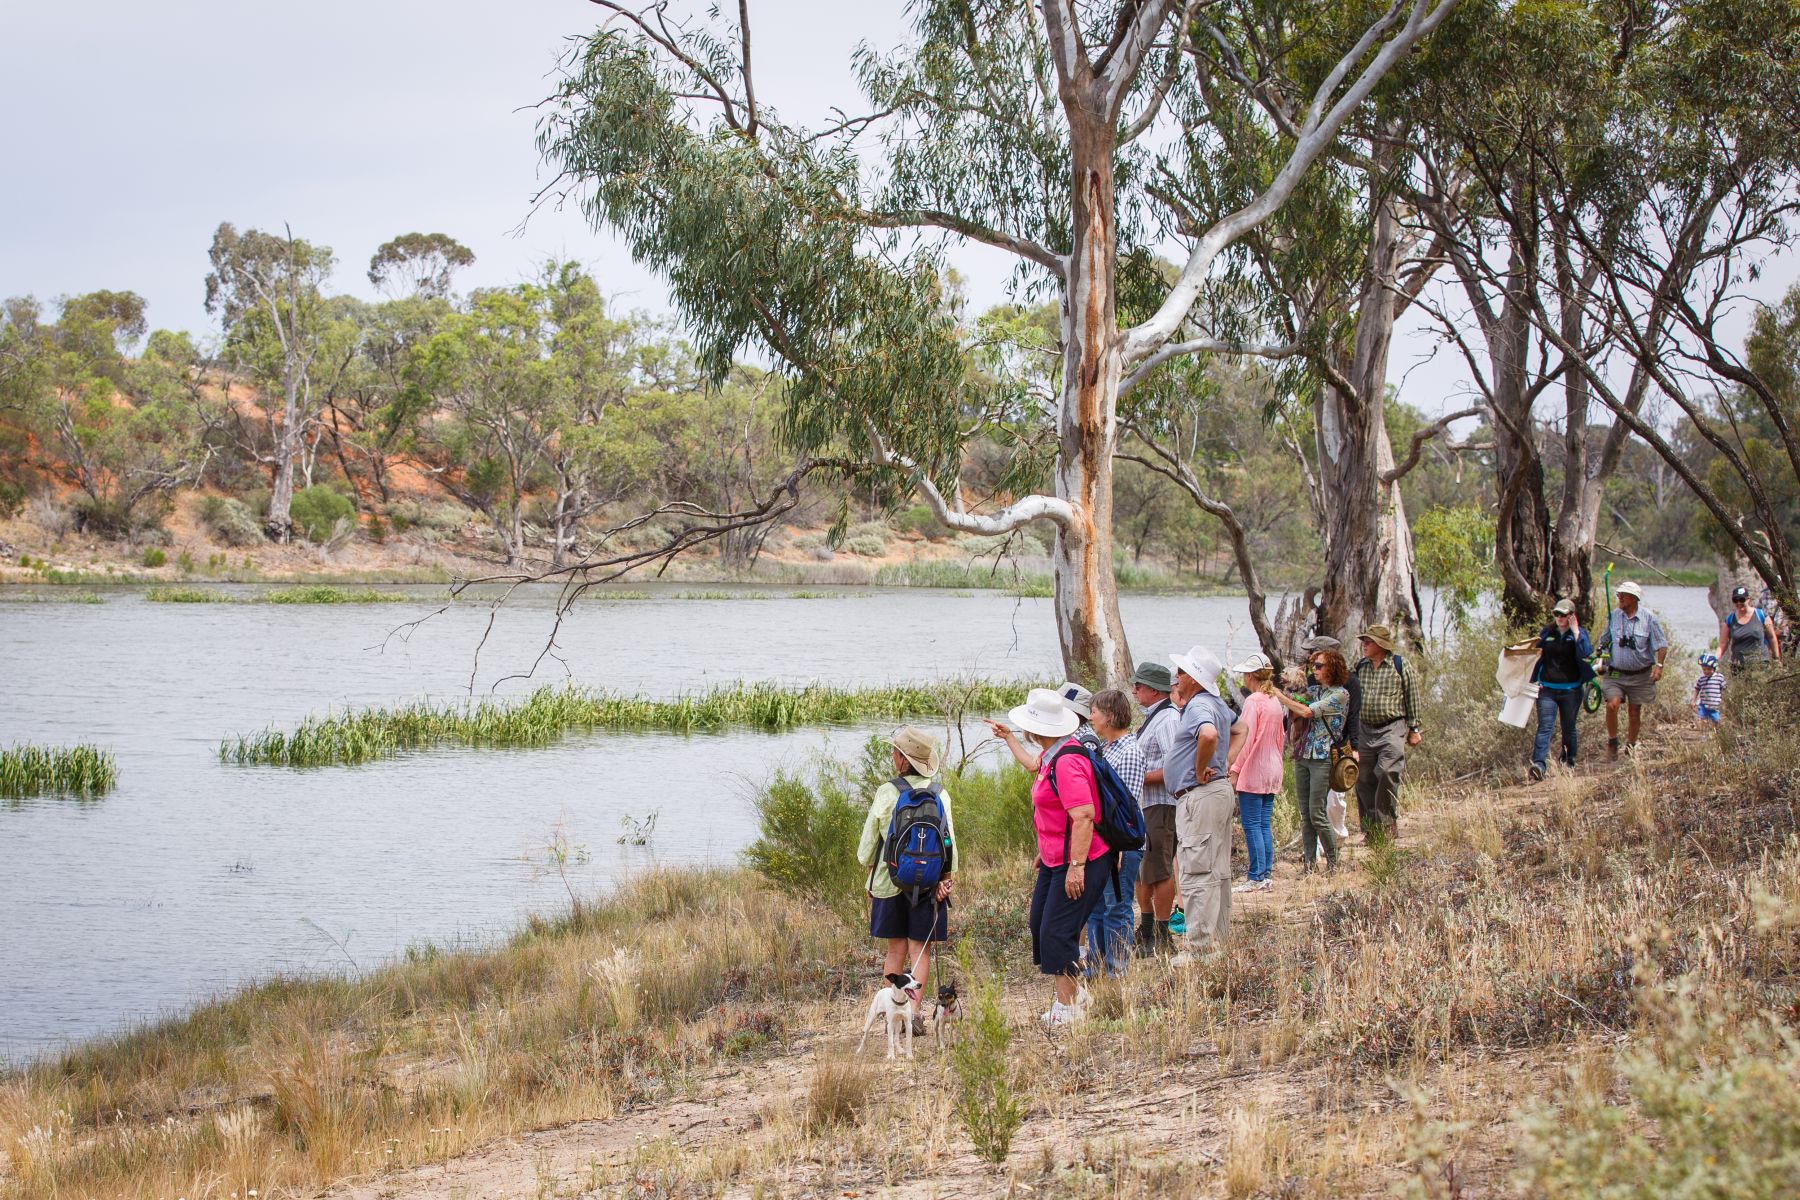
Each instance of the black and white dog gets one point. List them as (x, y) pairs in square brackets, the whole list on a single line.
[(898, 1003), (944, 1020)]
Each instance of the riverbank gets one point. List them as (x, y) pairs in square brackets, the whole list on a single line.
[(1398, 1023)]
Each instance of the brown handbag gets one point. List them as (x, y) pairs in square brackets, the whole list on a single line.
[(1344, 767)]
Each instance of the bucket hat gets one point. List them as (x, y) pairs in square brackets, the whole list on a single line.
[(1202, 666), (1155, 676), (1628, 588), (1045, 714), (918, 748), (1320, 641), (1381, 635), (1253, 664), (1077, 698)]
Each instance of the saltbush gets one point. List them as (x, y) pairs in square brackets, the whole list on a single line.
[(12, 498), (317, 510), (866, 545), (920, 520), (154, 557), (231, 521)]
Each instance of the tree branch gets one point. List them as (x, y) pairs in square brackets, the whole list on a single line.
[(1420, 437)]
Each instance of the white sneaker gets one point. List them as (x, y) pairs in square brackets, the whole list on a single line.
[(1266, 885), (1246, 886), (1060, 1014), (1081, 996), (1186, 958)]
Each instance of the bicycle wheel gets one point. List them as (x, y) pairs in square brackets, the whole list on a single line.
[(1591, 699)]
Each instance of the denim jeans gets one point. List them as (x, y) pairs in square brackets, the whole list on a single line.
[(1549, 704), (1110, 927), (1256, 812)]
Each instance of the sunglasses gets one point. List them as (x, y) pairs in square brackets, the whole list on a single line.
[(1318, 665)]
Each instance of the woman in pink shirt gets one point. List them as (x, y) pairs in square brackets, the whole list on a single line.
[(1065, 802), (1255, 768)]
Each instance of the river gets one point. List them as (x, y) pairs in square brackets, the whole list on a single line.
[(193, 876)]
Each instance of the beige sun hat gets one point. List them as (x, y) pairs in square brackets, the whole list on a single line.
[(1202, 666), (918, 748), (1250, 666), (1628, 588), (1381, 635), (1045, 713), (1077, 698)]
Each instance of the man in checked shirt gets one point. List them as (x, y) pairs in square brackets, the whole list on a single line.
[(1387, 725)]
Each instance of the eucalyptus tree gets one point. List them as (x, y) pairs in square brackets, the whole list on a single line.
[(267, 290), (124, 431), (420, 265), (1633, 193), (1038, 129)]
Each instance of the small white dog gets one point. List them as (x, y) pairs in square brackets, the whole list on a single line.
[(899, 1004)]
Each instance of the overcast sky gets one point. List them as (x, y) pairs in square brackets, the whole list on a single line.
[(134, 129)]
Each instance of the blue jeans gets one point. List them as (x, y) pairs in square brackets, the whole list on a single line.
[(1256, 812), (1110, 927), (1550, 703)]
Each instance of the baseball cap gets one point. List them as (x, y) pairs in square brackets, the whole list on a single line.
[(1564, 607)]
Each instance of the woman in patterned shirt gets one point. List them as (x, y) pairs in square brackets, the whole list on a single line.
[(1326, 703)]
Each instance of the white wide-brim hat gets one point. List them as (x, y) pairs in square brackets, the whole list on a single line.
[(1629, 588), (1202, 666), (1045, 714)]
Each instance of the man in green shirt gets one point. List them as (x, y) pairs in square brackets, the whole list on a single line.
[(1388, 724), (909, 924)]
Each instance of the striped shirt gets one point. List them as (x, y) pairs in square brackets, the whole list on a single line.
[(1709, 690), (1154, 737)]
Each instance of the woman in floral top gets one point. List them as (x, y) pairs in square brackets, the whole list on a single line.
[(1327, 703)]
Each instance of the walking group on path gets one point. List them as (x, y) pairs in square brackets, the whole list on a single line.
[(1628, 664), (1130, 821)]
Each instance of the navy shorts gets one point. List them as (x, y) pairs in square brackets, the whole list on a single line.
[(1057, 921), (899, 917)]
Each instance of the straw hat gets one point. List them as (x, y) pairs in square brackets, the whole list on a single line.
[(1045, 714), (918, 748), (1381, 635), (1077, 698), (1202, 666), (1253, 664)]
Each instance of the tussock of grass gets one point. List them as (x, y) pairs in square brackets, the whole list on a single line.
[(548, 713), (11, 596), (185, 595), (321, 593), (70, 770), (960, 574)]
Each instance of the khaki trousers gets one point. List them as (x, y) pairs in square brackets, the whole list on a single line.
[(1203, 826)]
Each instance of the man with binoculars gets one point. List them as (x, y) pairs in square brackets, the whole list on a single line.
[(1636, 648)]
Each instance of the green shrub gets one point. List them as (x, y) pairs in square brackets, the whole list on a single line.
[(12, 498), (75, 770), (1711, 1109), (987, 1101), (185, 595), (866, 545), (807, 832), (154, 557), (920, 520), (186, 563), (317, 510)]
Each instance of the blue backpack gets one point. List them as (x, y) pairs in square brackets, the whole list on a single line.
[(918, 839), (1119, 819)]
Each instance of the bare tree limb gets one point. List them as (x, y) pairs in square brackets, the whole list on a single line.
[(1420, 437)]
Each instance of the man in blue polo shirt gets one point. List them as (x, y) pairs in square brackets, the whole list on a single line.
[(1194, 773)]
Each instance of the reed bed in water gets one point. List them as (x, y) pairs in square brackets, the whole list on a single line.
[(308, 594), (365, 735), (75, 770)]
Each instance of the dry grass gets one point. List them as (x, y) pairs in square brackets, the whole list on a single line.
[(1392, 1026)]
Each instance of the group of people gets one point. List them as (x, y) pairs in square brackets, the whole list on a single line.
[(1629, 662), (1209, 744)]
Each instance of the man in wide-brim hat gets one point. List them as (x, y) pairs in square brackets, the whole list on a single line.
[(1387, 724), (1636, 648), (1194, 774)]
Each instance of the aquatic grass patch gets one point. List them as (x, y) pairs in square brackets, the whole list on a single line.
[(364, 735), (324, 593), (186, 595), (47, 770), (15, 597)]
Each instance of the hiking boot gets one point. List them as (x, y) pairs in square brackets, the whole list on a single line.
[(1536, 771), (1146, 931), (1612, 749)]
